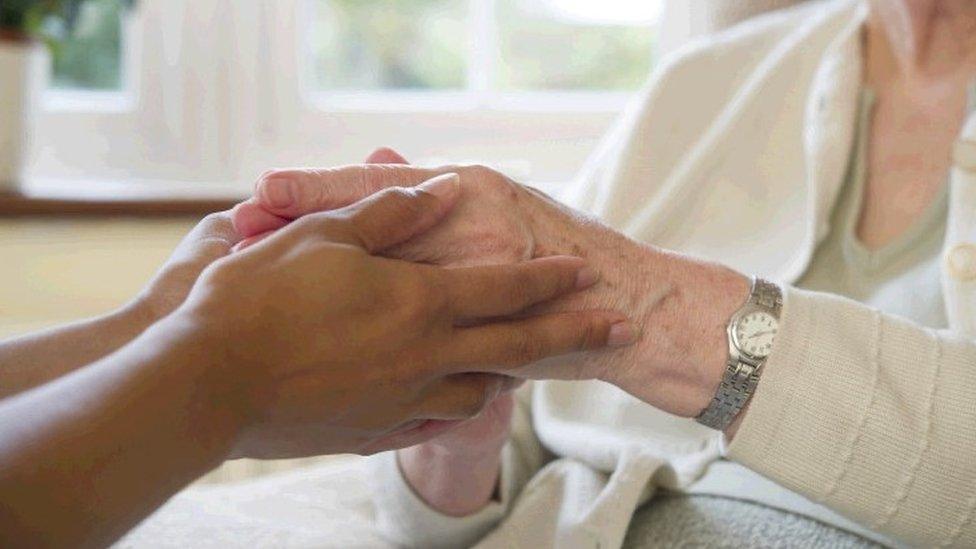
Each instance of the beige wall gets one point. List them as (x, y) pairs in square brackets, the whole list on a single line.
[(57, 270)]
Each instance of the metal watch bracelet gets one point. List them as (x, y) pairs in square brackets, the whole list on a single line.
[(742, 369)]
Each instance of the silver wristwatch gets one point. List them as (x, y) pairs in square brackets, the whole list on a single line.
[(751, 334)]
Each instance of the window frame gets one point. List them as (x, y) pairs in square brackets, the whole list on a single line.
[(199, 109)]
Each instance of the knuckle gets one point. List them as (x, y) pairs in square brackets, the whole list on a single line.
[(270, 176), (217, 221), (222, 274), (215, 227), (479, 172), (370, 176), (436, 302), (315, 223), (393, 208), (378, 176), (333, 228), (399, 198), (212, 247), (590, 335), (490, 181), (416, 301)]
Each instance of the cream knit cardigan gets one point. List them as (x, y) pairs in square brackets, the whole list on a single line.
[(735, 152)]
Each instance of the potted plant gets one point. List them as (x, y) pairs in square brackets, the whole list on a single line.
[(28, 29)]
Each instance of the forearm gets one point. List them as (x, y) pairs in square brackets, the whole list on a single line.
[(86, 457), (35, 359)]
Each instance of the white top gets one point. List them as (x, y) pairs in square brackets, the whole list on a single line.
[(901, 278)]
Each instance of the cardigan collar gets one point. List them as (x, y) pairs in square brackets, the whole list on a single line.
[(829, 133)]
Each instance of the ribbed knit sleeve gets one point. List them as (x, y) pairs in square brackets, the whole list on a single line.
[(870, 415)]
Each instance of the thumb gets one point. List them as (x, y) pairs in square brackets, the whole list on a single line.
[(396, 214)]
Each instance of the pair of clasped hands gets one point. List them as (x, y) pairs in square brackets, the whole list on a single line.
[(397, 319), (379, 306)]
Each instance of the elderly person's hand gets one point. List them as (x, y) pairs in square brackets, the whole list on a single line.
[(681, 304)]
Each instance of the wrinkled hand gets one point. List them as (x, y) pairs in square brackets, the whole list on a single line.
[(496, 221), (326, 348), (488, 225), (680, 304)]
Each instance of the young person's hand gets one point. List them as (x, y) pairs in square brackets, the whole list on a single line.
[(210, 240), (326, 348)]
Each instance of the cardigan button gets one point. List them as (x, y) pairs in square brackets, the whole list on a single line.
[(962, 261)]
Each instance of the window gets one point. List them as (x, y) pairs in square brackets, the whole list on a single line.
[(486, 45), (550, 45), (90, 55), (389, 44), (210, 93)]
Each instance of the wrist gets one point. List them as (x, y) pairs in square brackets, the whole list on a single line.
[(695, 323), (138, 315), (189, 359), (683, 357), (681, 305), (455, 484)]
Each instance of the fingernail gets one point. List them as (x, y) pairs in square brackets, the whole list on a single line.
[(586, 277), (443, 186), (278, 193), (622, 334)]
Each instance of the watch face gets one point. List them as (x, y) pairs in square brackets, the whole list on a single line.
[(754, 333)]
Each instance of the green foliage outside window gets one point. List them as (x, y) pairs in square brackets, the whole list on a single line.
[(426, 44), (85, 37)]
